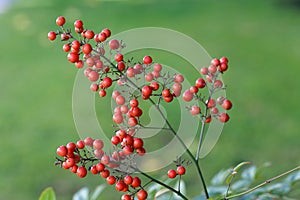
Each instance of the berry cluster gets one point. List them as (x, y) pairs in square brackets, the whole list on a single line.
[(78, 159), (104, 66), (214, 84)]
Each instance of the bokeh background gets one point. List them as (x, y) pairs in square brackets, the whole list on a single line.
[(261, 38)]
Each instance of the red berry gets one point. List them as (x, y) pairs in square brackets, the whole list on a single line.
[(212, 69), (101, 37), (142, 195), (134, 103), (81, 172), (146, 90), (214, 110), (66, 47), (166, 93), (126, 197), (178, 78), (172, 173), (74, 169), (73, 57), (194, 89), (80, 144), (60, 21), (136, 182), (218, 84), (224, 60), (94, 87), (78, 24), (107, 32), (157, 67), (168, 99), (52, 35), (200, 83), (93, 76), (132, 121), (100, 167), (87, 48), (105, 159), (120, 100), (128, 179), (208, 119), (223, 67), (89, 141), (187, 96), (215, 62), (71, 146), (227, 105), (114, 44), (111, 180), (115, 140), (223, 117), (154, 86), (180, 170), (121, 66), (106, 82), (120, 185), (62, 151), (147, 60), (98, 144), (89, 34), (105, 173), (118, 57), (118, 118), (102, 93), (211, 103), (195, 110), (140, 151), (130, 72), (94, 170), (137, 143), (204, 70)]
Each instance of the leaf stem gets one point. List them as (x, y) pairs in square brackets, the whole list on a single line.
[(262, 184)]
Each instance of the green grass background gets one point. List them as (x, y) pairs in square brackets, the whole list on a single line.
[(261, 38)]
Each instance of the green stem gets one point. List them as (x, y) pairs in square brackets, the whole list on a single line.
[(262, 184)]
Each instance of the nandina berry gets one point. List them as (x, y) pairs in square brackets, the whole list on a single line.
[(136, 112), (101, 37), (214, 110), (78, 24), (71, 146), (80, 144), (154, 85), (120, 100), (107, 32), (62, 151), (124, 109), (94, 170), (74, 169), (126, 197), (98, 144), (121, 66), (128, 179), (195, 110), (89, 34), (67, 47), (134, 103), (227, 105), (93, 76), (223, 117), (100, 167), (119, 57), (220, 100), (178, 78), (208, 119), (172, 173), (130, 72), (187, 96), (106, 82), (102, 93), (146, 90), (81, 172), (142, 194), (223, 67), (132, 121), (60, 21), (105, 159), (140, 151), (128, 140), (157, 67), (115, 140), (64, 37), (136, 182), (180, 170), (155, 74), (200, 83), (89, 141), (73, 57), (194, 89), (94, 87), (149, 77), (98, 153), (211, 103), (138, 68), (223, 60), (111, 180), (215, 62), (105, 173), (113, 44), (75, 44), (168, 99), (52, 35), (218, 84), (121, 134), (137, 143), (79, 64), (166, 93), (87, 48), (120, 185), (177, 87), (212, 69), (147, 60), (204, 70)]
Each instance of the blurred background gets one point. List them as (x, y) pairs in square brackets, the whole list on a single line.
[(261, 39)]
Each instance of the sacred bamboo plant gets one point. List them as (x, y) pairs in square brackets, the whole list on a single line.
[(105, 68)]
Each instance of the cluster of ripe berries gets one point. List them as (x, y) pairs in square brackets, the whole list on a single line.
[(76, 158), (213, 84)]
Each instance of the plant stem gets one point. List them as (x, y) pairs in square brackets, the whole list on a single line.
[(163, 184), (201, 135), (262, 184)]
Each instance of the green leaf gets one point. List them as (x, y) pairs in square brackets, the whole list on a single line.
[(238, 167), (97, 192), (48, 194), (82, 194)]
